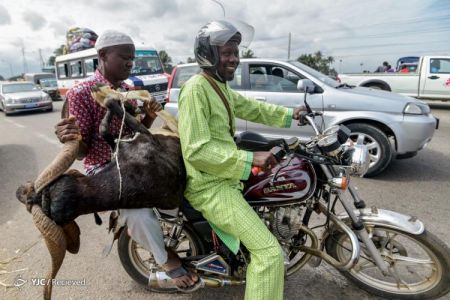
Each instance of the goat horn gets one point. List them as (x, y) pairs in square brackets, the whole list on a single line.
[(55, 240), (59, 165)]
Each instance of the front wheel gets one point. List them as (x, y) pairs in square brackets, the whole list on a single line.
[(419, 265), (138, 262)]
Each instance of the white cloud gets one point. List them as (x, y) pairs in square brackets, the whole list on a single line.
[(34, 20), (355, 32)]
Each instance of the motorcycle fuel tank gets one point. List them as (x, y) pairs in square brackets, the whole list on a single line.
[(292, 180)]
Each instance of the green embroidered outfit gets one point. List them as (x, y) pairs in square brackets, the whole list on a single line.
[(215, 168)]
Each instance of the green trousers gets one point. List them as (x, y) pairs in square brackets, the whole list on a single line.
[(225, 208)]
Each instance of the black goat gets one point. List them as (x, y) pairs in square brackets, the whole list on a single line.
[(152, 174)]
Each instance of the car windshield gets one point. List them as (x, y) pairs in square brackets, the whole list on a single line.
[(146, 62), (18, 87), (316, 74), (48, 82)]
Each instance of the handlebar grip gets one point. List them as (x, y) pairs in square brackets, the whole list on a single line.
[(302, 120)]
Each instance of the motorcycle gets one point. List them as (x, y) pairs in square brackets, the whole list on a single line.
[(383, 252)]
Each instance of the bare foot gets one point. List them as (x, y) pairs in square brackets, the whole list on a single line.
[(173, 262)]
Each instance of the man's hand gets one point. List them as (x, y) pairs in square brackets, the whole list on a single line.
[(264, 159), (67, 129), (297, 111), (151, 107)]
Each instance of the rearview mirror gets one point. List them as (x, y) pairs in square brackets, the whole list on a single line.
[(305, 86)]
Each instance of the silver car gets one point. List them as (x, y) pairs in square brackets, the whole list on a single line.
[(392, 125), (23, 96)]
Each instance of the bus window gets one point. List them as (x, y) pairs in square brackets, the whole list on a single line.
[(62, 70), (90, 65), (75, 69)]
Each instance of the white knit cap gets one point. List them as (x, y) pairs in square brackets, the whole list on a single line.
[(112, 38)]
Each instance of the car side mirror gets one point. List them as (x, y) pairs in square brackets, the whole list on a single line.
[(305, 86)]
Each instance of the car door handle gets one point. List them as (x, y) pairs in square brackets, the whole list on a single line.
[(433, 77), (261, 99)]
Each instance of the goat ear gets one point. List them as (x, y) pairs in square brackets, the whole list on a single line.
[(72, 232)]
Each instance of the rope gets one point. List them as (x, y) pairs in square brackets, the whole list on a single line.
[(116, 151)]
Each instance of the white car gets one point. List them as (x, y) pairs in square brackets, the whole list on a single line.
[(428, 79), (392, 125), (23, 96)]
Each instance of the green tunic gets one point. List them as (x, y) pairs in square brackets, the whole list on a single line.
[(213, 162)]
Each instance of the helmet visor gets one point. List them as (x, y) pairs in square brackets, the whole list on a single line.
[(222, 31)]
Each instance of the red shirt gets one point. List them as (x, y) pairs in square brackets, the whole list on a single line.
[(89, 115)]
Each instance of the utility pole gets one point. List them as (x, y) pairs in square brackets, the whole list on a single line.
[(289, 46), (41, 59), (340, 66), (25, 66)]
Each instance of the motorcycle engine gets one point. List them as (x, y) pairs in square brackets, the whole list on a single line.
[(285, 222)]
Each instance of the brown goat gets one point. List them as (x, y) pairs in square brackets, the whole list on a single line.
[(152, 174)]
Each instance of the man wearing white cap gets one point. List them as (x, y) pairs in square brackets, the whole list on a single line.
[(116, 54)]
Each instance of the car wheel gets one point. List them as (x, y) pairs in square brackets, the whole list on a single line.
[(380, 150)]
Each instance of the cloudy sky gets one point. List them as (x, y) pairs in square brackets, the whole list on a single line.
[(353, 32)]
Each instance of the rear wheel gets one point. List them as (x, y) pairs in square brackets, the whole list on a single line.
[(380, 150), (419, 265), (138, 262)]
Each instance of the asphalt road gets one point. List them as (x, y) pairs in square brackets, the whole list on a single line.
[(418, 186)]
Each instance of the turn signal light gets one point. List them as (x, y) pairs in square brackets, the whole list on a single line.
[(339, 182)]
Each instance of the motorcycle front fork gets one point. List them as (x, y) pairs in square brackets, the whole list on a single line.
[(360, 230), (357, 223)]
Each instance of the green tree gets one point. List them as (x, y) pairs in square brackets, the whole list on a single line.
[(248, 53), (191, 60), (318, 62), (166, 61), (56, 52)]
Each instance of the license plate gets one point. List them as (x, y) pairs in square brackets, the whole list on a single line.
[(160, 98), (31, 105)]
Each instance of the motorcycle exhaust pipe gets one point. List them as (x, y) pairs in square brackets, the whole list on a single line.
[(160, 280)]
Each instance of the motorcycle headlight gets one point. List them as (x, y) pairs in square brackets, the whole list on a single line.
[(359, 160)]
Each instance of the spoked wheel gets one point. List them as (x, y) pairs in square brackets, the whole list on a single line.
[(419, 265), (138, 262)]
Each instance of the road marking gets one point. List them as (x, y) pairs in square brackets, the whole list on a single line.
[(15, 124), (47, 139), (42, 136)]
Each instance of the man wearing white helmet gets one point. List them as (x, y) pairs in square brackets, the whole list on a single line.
[(116, 55), (213, 163)]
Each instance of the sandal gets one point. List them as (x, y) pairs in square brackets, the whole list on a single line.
[(180, 272)]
